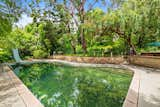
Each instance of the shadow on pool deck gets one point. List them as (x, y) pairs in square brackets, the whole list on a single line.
[(149, 94), (9, 96), (149, 101)]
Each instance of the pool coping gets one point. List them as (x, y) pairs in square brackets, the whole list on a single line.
[(132, 96), (27, 97)]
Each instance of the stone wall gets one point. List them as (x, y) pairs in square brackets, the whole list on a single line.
[(148, 61), (96, 60)]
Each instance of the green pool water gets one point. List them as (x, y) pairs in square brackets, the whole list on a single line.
[(57, 85)]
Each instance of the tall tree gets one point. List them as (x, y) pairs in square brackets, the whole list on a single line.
[(10, 11), (78, 10)]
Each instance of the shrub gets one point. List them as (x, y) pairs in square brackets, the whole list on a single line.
[(40, 54), (4, 56), (79, 49), (99, 50)]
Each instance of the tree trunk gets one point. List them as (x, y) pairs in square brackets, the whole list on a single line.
[(73, 47), (140, 40), (83, 41), (131, 45)]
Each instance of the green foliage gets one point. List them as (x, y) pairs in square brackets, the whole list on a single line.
[(52, 34), (58, 28), (4, 55), (39, 54), (99, 50), (47, 35), (20, 39), (119, 47), (79, 49), (5, 27), (10, 11)]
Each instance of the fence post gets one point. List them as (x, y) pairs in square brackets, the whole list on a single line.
[(111, 56)]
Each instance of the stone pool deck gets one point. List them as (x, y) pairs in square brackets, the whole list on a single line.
[(148, 90), (13, 93), (144, 90)]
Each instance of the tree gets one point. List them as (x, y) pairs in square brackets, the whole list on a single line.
[(78, 12), (10, 11)]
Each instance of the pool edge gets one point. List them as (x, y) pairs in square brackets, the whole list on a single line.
[(25, 94), (131, 99)]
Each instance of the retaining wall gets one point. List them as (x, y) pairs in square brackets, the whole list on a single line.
[(96, 60), (148, 61)]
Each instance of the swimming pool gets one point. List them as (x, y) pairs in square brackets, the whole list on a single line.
[(59, 85)]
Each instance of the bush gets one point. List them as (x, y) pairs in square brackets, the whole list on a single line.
[(25, 53), (79, 49), (40, 54), (99, 50), (4, 56)]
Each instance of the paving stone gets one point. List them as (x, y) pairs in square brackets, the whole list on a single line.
[(13, 93)]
